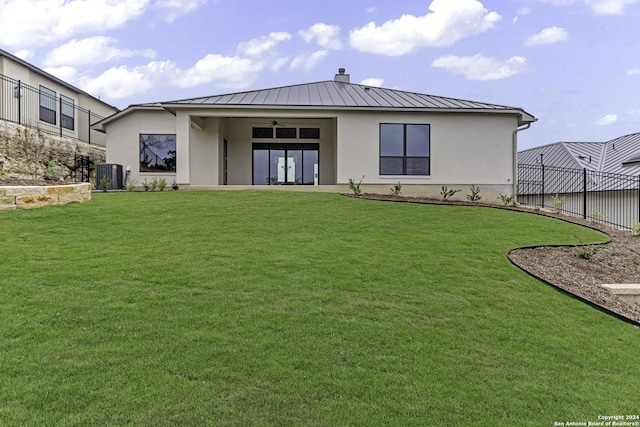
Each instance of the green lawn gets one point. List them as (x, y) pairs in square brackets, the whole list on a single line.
[(257, 308)]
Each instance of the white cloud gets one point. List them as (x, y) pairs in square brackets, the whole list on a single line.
[(446, 23), (598, 7), (327, 36), (633, 72), (635, 112), (92, 50), (122, 82), (307, 62), (372, 81), (549, 35), (175, 8), (479, 67), (228, 71), (28, 23), (65, 73), (524, 10), (25, 54), (607, 120), (372, 9), (256, 47)]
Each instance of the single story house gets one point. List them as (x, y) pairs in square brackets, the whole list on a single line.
[(620, 155), (321, 134), (32, 97), (595, 180)]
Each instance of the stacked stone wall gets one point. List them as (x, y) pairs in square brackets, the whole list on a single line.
[(17, 159), (36, 196)]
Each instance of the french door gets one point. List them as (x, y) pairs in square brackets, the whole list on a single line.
[(285, 164)]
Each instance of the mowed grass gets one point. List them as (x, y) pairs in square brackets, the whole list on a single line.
[(257, 308)]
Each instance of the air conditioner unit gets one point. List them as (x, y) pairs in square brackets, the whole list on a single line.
[(110, 171)]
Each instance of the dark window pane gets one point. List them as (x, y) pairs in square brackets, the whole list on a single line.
[(417, 166), (67, 121), (391, 140), (391, 165), (47, 115), (263, 132), (260, 167), (286, 132), (418, 140), (157, 153), (310, 164), (310, 133)]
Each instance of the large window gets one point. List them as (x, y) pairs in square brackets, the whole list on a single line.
[(67, 110), (405, 149), (157, 153), (47, 105)]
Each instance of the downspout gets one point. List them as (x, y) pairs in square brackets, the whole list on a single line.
[(514, 141)]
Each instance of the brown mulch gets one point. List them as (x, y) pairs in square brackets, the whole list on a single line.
[(615, 262)]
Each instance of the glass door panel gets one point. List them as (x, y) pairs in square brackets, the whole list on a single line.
[(260, 167), (310, 165), (294, 171), (277, 165)]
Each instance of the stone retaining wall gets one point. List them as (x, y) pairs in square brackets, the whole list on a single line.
[(34, 196)]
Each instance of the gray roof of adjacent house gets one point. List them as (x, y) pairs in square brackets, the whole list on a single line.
[(337, 94), (51, 77), (620, 155)]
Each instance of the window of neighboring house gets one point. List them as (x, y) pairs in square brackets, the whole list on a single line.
[(157, 152), (405, 149), (67, 112), (47, 105)]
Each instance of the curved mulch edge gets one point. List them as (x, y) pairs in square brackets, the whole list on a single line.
[(576, 221)]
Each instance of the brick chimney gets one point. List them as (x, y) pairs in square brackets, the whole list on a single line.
[(342, 77)]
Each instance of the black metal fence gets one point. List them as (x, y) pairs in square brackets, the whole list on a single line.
[(41, 108), (609, 198)]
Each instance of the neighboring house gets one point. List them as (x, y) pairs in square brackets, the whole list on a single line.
[(32, 97), (322, 133), (596, 180), (620, 155)]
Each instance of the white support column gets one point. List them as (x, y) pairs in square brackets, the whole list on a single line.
[(183, 163)]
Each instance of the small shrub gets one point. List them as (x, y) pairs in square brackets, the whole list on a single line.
[(355, 187), (597, 215), (558, 202), (507, 199), (131, 185), (53, 172), (586, 252), (174, 185), (153, 184), (105, 183), (446, 193), (162, 184), (396, 189), (635, 228), (474, 196), (146, 185)]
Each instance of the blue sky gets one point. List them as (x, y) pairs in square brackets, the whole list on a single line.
[(574, 64)]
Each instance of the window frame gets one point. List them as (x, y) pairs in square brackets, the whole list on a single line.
[(49, 97), (67, 121), (171, 169), (404, 158)]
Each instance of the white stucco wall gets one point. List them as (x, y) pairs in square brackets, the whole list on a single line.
[(123, 146), (466, 148)]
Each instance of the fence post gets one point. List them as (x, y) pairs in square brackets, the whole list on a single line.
[(584, 193), (60, 109), (542, 189), (89, 127), (19, 102)]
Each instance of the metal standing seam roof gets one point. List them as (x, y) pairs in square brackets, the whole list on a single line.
[(329, 95), (332, 94), (619, 156)]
